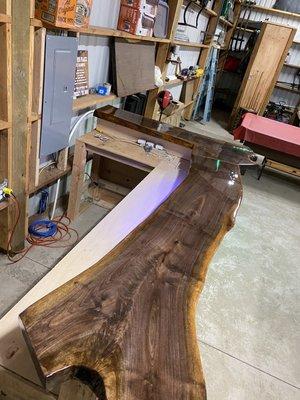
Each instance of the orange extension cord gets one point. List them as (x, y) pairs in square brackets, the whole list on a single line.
[(64, 236)]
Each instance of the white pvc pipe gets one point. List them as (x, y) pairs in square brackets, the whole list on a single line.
[(55, 199), (80, 119)]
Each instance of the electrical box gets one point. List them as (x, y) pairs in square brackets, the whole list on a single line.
[(60, 64)]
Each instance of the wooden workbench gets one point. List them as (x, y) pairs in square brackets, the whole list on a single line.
[(213, 183)]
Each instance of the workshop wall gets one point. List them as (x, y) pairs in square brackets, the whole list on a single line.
[(188, 56), (232, 81), (105, 13)]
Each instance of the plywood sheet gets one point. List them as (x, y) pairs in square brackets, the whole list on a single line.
[(133, 67)]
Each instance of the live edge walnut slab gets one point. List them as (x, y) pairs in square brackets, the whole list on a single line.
[(126, 326)]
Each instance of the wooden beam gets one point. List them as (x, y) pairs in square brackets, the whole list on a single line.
[(161, 56), (47, 177), (77, 179), (175, 9), (4, 19), (283, 168), (38, 70), (34, 159), (230, 31), (5, 116), (5, 7), (190, 44), (5, 72), (281, 13), (98, 31), (21, 89), (92, 100)]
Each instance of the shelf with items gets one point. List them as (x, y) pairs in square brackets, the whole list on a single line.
[(210, 12), (49, 176), (178, 81), (287, 87), (203, 51), (190, 44), (98, 31), (224, 21), (292, 66), (275, 11), (91, 100)]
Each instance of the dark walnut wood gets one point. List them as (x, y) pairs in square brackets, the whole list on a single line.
[(126, 326)]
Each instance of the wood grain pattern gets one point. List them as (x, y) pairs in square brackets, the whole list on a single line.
[(264, 67), (126, 326)]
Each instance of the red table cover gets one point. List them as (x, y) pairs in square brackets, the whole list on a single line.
[(269, 133)]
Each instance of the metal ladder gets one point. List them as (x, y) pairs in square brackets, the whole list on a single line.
[(207, 88)]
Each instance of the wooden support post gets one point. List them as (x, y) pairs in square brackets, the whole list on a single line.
[(161, 56), (175, 9), (5, 116), (230, 31), (77, 179), (209, 38), (96, 165), (21, 99), (38, 38), (33, 179)]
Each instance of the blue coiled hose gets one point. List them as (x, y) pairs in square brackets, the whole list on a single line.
[(43, 228)]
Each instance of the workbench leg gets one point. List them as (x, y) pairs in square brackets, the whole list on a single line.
[(77, 179), (261, 169), (96, 168), (75, 390)]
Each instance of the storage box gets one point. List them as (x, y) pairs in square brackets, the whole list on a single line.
[(83, 12), (148, 7), (64, 13), (138, 16)]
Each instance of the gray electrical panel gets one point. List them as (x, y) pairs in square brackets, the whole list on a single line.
[(60, 64)]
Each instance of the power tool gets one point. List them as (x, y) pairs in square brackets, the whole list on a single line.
[(164, 99), (5, 191)]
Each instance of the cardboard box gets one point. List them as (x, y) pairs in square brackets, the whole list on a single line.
[(137, 17), (149, 7), (83, 12), (64, 13)]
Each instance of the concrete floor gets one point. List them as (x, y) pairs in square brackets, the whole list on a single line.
[(248, 314)]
